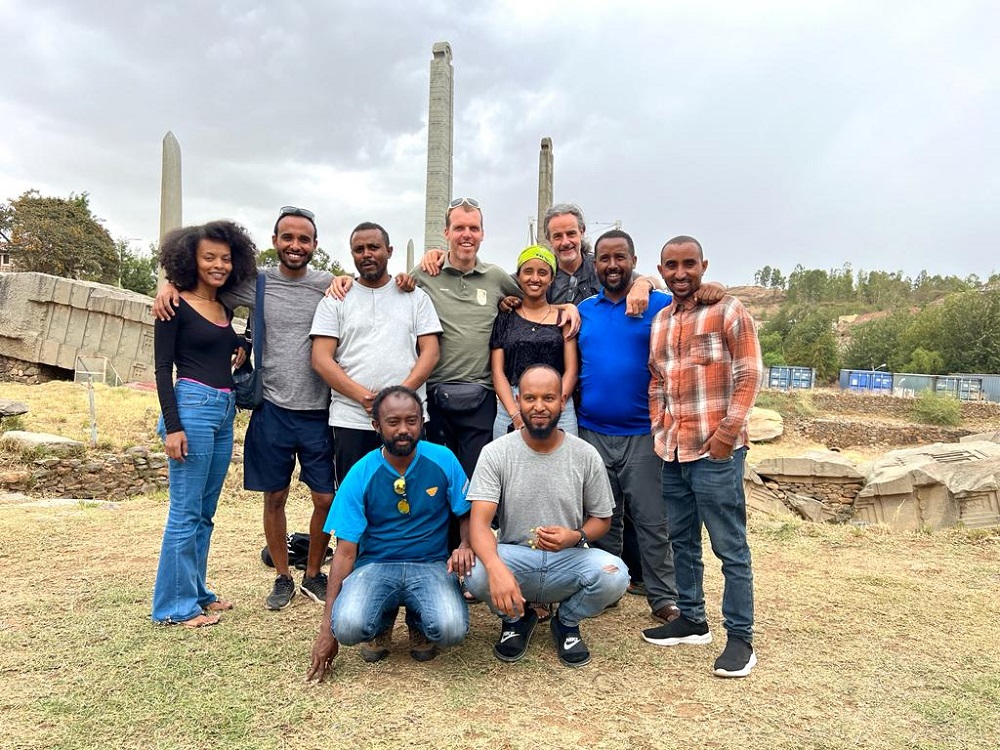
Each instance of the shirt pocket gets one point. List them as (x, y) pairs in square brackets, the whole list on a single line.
[(706, 348)]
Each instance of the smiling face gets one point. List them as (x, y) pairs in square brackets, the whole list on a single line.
[(540, 401), (565, 239), (464, 235), (682, 267), (215, 263), (614, 264), (371, 256), (535, 278), (295, 243)]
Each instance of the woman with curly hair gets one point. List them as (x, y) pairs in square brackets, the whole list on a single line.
[(196, 423)]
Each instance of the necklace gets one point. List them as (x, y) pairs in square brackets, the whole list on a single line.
[(201, 296), (535, 323)]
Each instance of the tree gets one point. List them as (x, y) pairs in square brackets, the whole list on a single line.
[(59, 236), (138, 271), (925, 362), (876, 343), (970, 332), (810, 342), (763, 276), (778, 280)]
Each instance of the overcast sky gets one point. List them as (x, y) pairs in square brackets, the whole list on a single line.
[(777, 132)]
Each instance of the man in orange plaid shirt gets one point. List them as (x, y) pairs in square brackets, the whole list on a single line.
[(706, 371)]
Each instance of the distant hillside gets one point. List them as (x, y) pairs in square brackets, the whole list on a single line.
[(761, 302)]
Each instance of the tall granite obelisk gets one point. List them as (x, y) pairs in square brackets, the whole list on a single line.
[(170, 191), (440, 143), (545, 169)]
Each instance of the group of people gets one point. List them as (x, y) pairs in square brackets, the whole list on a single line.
[(581, 400)]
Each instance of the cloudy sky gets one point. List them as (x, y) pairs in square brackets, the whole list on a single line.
[(778, 132)]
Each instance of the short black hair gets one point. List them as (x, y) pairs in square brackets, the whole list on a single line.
[(540, 366), (683, 239), (394, 390), (366, 226), (616, 234), (179, 253), (288, 213)]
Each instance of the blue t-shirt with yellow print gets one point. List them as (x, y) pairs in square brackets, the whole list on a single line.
[(367, 509)]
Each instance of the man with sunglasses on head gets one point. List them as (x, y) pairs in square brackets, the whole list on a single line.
[(292, 420), (391, 521)]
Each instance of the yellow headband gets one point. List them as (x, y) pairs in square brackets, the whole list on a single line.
[(537, 252)]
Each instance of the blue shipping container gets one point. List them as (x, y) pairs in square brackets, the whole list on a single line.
[(866, 381), (786, 378)]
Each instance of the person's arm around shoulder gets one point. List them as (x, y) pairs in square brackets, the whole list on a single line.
[(325, 647), (166, 301), (710, 292), (637, 299)]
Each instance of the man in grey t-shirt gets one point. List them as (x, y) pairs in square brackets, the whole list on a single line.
[(552, 495)]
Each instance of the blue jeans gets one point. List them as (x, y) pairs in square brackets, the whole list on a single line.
[(206, 415), (710, 492), (583, 581), (372, 594), (501, 425)]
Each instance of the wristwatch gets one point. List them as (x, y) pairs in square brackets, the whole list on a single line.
[(583, 539)]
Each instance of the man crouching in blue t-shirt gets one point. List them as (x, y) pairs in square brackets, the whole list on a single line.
[(390, 518)]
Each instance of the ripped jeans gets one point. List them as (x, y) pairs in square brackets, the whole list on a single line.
[(584, 581)]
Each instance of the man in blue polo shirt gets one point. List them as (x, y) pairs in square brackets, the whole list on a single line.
[(614, 412), (391, 520)]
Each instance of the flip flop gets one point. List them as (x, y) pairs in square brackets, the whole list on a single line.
[(200, 621), (219, 605)]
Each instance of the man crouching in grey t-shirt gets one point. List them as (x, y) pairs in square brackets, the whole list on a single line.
[(552, 496)]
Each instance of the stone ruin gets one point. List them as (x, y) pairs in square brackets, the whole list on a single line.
[(48, 322), (935, 486)]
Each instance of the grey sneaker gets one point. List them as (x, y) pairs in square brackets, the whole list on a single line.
[(281, 594), (377, 649), (421, 649), (315, 587)]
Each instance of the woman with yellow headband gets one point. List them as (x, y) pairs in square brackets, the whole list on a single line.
[(529, 336)]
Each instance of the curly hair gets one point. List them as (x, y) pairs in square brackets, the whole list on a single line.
[(179, 253)]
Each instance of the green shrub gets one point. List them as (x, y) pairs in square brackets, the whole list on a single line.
[(939, 409)]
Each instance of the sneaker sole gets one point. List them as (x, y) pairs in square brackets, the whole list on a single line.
[(574, 664), (718, 672), (690, 640), (312, 596), (275, 608), (517, 657)]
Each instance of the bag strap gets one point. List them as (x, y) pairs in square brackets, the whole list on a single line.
[(258, 322)]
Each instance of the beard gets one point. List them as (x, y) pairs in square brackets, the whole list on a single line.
[(541, 432), (400, 446)]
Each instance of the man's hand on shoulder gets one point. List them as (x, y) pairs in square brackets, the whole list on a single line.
[(405, 282), (637, 299), (509, 303), (324, 650), (339, 287), (165, 301), (570, 320), (710, 292), (432, 262)]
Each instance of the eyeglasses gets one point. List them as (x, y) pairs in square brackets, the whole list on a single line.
[(296, 211), (464, 202), (399, 487)]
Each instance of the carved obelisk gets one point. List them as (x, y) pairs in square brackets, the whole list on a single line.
[(170, 191), (545, 167), (409, 255), (440, 143)]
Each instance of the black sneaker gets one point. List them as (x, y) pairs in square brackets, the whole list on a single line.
[(315, 587), (421, 649), (377, 649), (737, 659), (515, 636), (281, 594), (570, 648), (678, 631)]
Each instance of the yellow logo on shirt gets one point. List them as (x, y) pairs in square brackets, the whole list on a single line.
[(432, 491), (481, 297)]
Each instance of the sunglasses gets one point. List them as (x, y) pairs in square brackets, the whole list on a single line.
[(399, 487), (296, 211), (464, 202)]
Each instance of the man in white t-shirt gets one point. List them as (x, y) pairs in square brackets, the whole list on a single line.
[(375, 337)]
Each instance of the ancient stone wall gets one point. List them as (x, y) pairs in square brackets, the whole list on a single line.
[(109, 476), (846, 402), (843, 433), (30, 373)]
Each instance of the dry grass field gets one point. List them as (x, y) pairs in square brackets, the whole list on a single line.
[(866, 639)]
